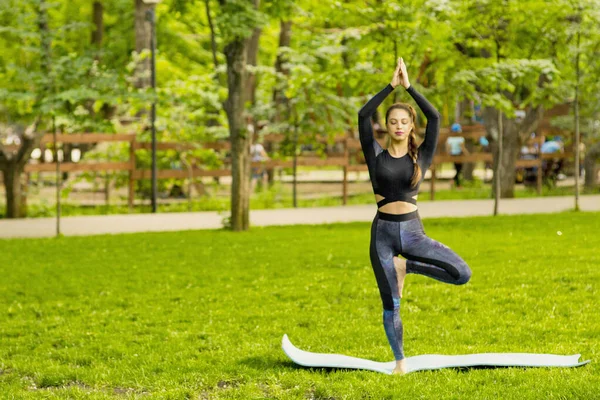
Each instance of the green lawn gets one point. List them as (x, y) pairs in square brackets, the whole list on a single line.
[(201, 314)]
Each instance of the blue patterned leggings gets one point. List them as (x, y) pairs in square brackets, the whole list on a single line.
[(403, 234)]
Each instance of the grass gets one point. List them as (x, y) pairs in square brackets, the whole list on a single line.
[(201, 314)]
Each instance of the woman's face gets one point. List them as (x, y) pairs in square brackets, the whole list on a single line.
[(399, 124)]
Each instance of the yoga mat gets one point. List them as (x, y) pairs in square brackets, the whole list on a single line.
[(429, 361)]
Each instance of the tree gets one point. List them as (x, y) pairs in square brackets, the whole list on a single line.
[(142, 43), (12, 164), (237, 21), (282, 71), (592, 158), (48, 73), (510, 66)]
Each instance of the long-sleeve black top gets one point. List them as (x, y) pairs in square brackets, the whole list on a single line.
[(391, 176)]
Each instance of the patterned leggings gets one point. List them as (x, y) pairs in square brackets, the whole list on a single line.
[(403, 234)]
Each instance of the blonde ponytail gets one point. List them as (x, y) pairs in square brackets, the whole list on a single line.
[(413, 152)]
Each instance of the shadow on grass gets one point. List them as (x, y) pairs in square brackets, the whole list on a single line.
[(265, 362), (467, 369), (269, 362)]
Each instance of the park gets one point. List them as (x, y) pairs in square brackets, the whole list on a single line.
[(184, 183)]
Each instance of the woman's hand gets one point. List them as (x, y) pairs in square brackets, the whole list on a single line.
[(396, 80), (400, 75), (403, 75)]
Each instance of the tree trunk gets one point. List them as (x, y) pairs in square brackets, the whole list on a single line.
[(285, 38), (13, 167), (510, 152), (461, 107), (212, 114), (98, 21), (468, 168), (213, 41), (514, 134), (592, 156), (12, 185), (142, 42), (108, 111), (252, 57), (235, 53), (250, 86), (46, 40), (67, 149)]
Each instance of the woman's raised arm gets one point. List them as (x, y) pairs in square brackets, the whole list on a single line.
[(432, 130)]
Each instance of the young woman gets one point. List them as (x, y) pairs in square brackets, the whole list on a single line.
[(396, 174)]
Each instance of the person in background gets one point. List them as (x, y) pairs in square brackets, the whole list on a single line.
[(529, 151), (552, 167), (477, 114), (554, 145), (485, 144), (258, 153), (535, 146), (455, 146)]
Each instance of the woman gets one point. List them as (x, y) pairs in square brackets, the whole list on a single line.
[(396, 174)]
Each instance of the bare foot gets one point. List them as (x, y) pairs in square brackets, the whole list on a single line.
[(400, 265), (400, 367)]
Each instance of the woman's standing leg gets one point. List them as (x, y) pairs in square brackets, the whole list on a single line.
[(383, 248)]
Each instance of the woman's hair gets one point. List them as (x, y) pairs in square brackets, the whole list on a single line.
[(412, 138)]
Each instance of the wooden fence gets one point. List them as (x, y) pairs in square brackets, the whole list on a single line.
[(349, 159)]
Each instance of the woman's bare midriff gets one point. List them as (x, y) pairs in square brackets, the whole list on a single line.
[(396, 207)]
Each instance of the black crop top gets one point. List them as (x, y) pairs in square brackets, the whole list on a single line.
[(391, 176)]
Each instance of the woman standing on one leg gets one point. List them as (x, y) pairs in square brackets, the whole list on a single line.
[(396, 174)]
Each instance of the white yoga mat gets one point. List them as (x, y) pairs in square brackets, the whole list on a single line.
[(429, 361)]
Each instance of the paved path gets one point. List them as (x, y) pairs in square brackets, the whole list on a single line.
[(111, 224)]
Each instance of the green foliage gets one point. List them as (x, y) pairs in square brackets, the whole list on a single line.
[(451, 48), (518, 78), (340, 53), (237, 18), (280, 9), (69, 80), (334, 46)]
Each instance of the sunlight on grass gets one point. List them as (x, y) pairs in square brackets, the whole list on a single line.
[(200, 314)]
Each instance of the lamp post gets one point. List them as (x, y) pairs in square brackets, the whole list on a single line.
[(151, 17)]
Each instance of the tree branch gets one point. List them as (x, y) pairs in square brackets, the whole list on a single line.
[(531, 121), (213, 42), (30, 140)]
